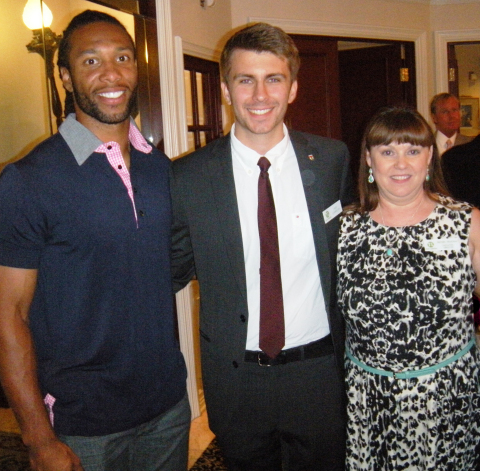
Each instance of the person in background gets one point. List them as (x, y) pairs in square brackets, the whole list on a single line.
[(88, 355), (445, 111), (408, 264), (272, 339)]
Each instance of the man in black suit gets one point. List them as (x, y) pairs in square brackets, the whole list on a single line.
[(461, 169), (266, 409)]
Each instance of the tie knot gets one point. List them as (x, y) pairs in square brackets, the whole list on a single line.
[(264, 164), (448, 144)]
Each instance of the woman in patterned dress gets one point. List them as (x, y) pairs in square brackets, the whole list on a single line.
[(408, 262)]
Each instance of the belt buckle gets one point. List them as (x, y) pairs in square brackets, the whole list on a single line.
[(262, 362)]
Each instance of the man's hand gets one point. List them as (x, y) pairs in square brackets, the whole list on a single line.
[(54, 456)]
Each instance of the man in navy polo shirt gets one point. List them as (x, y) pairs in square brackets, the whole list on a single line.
[(89, 359)]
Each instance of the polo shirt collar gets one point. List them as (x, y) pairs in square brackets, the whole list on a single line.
[(83, 143)]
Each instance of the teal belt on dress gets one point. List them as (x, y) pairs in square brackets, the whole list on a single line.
[(411, 373)]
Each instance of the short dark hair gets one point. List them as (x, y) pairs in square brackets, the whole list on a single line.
[(87, 17), (261, 37), (401, 125), (440, 97)]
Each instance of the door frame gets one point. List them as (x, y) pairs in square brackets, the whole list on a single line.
[(170, 57), (419, 37), (441, 60)]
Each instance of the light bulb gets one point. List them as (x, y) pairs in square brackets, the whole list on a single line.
[(32, 15)]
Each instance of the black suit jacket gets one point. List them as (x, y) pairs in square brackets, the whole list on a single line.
[(461, 169), (207, 240)]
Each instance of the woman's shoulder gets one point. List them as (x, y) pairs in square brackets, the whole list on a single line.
[(452, 204), (350, 219)]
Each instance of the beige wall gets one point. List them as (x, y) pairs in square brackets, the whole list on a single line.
[(456, 17), (22, 95), (362, 12), (204, 27)]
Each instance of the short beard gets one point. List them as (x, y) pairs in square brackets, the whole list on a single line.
[(90, 108)]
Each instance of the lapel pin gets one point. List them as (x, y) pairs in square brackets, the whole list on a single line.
[(311, 157)]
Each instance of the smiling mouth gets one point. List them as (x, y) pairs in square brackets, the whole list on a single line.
[(112, 94), (400, 177), (260, 112)]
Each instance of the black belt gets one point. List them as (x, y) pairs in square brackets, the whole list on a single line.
[(315, 349)]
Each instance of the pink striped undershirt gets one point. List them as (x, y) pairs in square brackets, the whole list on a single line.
[(115, 158)]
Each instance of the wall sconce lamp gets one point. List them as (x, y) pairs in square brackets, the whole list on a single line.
[(38, 17), (472, 76), (207, 3)]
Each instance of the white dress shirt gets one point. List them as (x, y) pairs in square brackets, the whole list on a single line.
[(304, 305), (441, 140)]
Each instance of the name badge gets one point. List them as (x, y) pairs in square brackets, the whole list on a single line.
[(332, 211), (434, 245)]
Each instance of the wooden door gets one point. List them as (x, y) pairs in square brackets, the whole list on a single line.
[(317, 106), (371, 78)]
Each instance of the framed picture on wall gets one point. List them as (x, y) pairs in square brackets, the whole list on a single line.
[(469, 113)]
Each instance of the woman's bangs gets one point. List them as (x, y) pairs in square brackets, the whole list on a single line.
[(415, 133)]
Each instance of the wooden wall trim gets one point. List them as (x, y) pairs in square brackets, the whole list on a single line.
[(441, 38)]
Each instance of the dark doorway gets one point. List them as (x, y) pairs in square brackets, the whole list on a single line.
[(343, 81), (370, 78), (463, 53), (204, 108), (463, 79), (465, 50)]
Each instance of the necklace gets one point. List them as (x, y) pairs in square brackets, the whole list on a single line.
[(389, 238)]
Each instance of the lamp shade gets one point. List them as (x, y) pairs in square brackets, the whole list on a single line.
[(32, 15)]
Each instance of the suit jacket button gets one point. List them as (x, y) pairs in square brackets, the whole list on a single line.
[(235, 364), (243, 318)]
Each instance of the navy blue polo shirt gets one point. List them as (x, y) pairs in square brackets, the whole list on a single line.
[(102, 314)]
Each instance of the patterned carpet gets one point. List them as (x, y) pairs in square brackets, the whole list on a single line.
[(211, 460), (13, 456)]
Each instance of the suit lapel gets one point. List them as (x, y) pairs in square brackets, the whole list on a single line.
[(220, 173), (310, 162)]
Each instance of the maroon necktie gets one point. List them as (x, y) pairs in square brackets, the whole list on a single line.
[(272, 324)]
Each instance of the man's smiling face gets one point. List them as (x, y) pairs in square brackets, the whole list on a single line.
[(260, 89), (103, 73)]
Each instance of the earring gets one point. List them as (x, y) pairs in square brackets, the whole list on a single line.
[(427, 178), (370, 178)]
